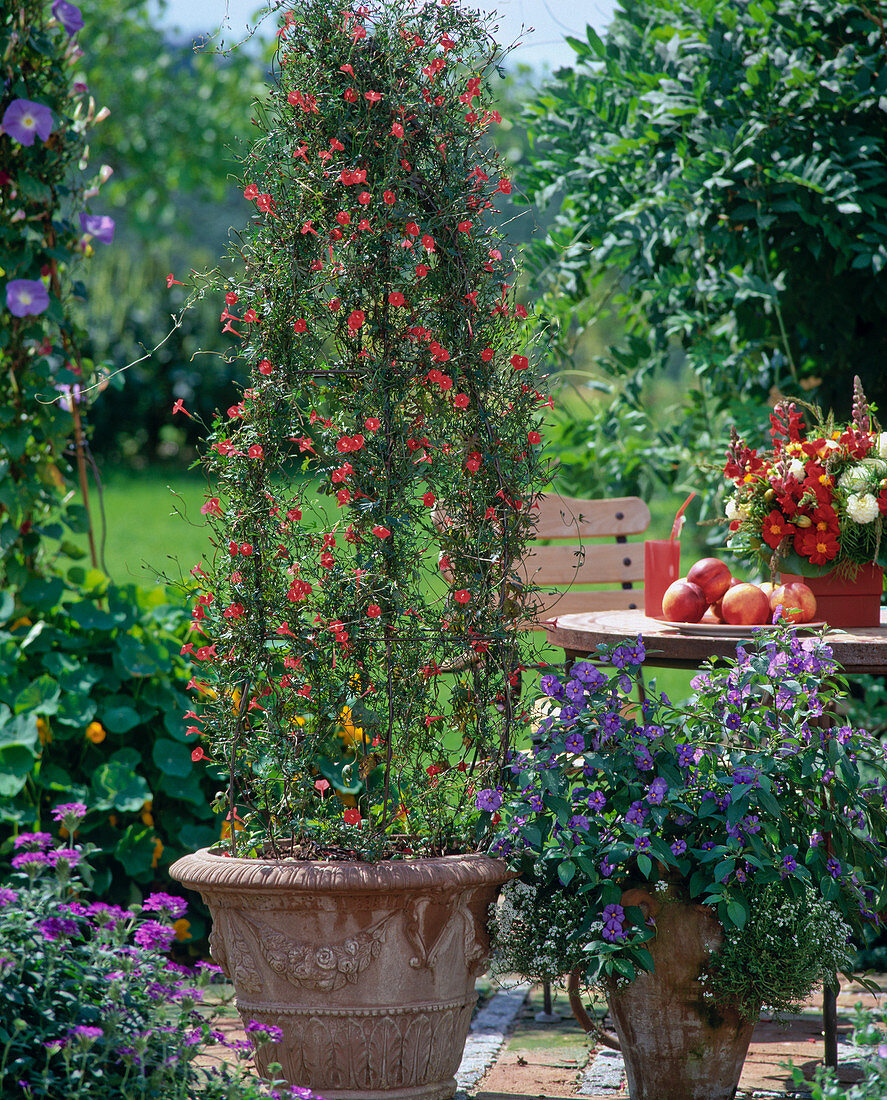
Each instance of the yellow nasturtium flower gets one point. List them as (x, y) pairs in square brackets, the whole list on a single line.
[(158, 851), (95, 732), (352, 735), (183, 929), (43, 731)]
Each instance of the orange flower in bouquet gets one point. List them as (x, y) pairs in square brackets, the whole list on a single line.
[(817, 500)]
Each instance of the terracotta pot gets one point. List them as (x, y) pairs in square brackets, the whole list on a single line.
[(675, 1046), (846, 603), (368, 968)]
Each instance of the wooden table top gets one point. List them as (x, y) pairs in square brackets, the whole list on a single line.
[(863, 649)]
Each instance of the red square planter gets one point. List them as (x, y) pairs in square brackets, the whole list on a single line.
[(843, 602)]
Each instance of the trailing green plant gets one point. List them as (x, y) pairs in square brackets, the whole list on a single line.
[(718, 171), (91, 1006), (748, 798), (375, 302)]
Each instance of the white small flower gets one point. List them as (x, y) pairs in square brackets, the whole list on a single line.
[(882, 445), (797, 469), (862, 507)]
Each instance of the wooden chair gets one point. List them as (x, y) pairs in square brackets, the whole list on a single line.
[(571, 561)]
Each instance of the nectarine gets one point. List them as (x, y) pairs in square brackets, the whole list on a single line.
[(745, 605), (683, 602), (712, 576), (797, 601)]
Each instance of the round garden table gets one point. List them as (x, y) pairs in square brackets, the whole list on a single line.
[(860, 650)]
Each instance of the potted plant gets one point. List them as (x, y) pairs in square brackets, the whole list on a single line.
[(814, 506), (374, 303), (704, 859)]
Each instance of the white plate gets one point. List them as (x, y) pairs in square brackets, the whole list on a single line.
[(728, 630)]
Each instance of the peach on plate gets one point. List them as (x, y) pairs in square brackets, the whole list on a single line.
[(797, 601), (712, 576), (745, 605), (683, 602)]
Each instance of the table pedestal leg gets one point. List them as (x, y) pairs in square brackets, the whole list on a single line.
[(830, 1025)]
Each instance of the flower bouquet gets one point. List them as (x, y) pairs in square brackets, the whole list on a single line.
[(748, 825), (817, 501)]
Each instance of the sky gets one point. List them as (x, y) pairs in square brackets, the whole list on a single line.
[(551, 20)]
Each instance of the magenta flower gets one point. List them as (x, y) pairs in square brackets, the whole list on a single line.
[(68, 15), (23, 120), (99, 226), (26, 297)]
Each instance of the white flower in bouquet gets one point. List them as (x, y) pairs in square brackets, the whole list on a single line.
[(862, 475), (735, 511), (797, 469), (862, 508), (882, 445)]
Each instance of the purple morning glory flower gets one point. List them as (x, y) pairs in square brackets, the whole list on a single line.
[(26, 297), (606, 868), (578, 821), (24, 120), (613, 917), (575, 742), (176, 907), (833, 867), (589, 674), (636, 814), (642, 844), (68, 15), (789, 864), (99, 226), (552, 686), (488, 800), (679, 847), (597, 800)]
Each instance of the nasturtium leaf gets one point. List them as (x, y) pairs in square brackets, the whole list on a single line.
[(120, 719), (41, 696), (117, 785), (172, 757)]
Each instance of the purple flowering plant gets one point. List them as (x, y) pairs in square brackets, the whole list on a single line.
[(93, 1004), (753, 784)]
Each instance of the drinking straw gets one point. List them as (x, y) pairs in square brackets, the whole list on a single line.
[(679, 519)]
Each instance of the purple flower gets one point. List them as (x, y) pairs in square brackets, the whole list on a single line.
[(686, 755), (68, 15), (489, 800), (606, 868), (176, 907), (23, 120), (642, 844), (59, 928), (266, 1032), (66, 857), (26, 297), (29, 862), (833, 867), (590, 675), (552, 686), (596, 800), (32, 841), (104, 914), (789, 864), (679, 847), (99, 226), (636, 814), (69, 811), (575, 742), (613, 916), (6, 896), (578, 821), (657, 790), (154, 936), (85, 1033)]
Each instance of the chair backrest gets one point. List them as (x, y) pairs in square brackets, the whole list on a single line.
[(572, 561)]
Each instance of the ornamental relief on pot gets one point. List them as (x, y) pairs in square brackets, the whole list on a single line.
[(229, 951), (322, 966), (435, 921)]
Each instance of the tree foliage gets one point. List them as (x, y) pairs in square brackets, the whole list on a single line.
[(727, 161)]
